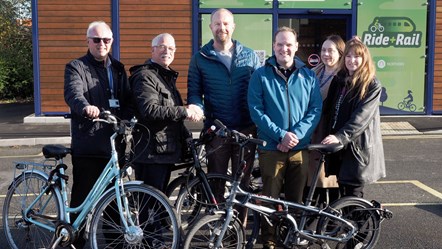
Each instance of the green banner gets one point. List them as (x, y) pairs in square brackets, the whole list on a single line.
[(235, 3), (395, 32), (315, 4)]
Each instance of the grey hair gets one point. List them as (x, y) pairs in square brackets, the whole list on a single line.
[(93, 25), (157, 38)]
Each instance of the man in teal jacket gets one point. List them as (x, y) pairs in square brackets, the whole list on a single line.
[(285, 103), (218, 80)]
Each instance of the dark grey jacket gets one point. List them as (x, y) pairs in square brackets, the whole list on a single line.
[(159, 106), (358, 128), (86, 83)]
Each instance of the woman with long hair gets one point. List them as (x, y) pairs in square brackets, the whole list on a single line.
[(351, 112)]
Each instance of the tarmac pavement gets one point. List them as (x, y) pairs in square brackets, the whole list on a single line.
[(19, 126)]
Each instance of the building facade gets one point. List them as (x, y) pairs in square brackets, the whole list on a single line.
[(402, 36)]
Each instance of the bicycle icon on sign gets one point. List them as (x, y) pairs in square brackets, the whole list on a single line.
[(377, 26), (406, 103)]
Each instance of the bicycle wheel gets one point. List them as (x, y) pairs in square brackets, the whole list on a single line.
[(412, 107), (155, 221), (401, 106), (191, 203), (175, 187), (22, 192), (361, 215), (205, 233)]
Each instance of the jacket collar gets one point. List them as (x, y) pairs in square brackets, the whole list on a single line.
[(209, 51), (272, 62)]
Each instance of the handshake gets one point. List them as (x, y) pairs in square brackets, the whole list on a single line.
[(194, 113)]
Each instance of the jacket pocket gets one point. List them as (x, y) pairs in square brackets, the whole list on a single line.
[(166, 98), (165, 143), (361, 153)]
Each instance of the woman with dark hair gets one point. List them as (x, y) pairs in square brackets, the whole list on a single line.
[(331, 52)]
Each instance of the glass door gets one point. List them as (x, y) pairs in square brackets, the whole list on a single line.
[(312, 31)]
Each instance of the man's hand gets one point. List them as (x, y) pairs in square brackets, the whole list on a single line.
[(290, 140), (282, 148), (91, 111), (194, 113)]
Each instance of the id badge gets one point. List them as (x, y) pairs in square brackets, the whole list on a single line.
[(114, 103)]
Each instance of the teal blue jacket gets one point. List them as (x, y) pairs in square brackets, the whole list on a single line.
[(278, 105), (222, 93)]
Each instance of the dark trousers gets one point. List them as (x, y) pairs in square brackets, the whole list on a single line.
[(85, 172), (350, 190), (158, 176), (218, 162), (155, 175), (282, 171)]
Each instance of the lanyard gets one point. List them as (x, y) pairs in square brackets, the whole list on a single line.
[(322, 83), (111, 80)]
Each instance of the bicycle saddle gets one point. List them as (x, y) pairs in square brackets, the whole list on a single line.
[(56, 151), (325, 148)]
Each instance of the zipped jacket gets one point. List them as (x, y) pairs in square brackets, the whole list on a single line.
[(160, 108), (279, 104), (86, 83), (220, 92)]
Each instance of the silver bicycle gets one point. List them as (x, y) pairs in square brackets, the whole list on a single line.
[(350, 222)]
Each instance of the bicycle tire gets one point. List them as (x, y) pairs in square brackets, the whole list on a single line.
[(156, 220), (361, 214), (190, 207), (412, 107), (401, 106), (22, 192), (204, 233)]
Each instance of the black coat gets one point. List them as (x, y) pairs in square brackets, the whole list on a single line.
[(358, 128), (86, 83), (159, 106)]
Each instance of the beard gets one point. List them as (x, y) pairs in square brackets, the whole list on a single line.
[(222, 37)]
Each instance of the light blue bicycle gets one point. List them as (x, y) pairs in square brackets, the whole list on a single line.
[(117, 213)]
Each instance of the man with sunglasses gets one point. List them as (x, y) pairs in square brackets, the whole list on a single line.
[(93, 83)]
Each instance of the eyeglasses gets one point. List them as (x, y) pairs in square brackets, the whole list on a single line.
[(98, 40), (164, 47)]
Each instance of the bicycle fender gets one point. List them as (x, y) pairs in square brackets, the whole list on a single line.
[(38, 172), (128, 183)]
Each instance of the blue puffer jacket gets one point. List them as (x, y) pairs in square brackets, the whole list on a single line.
[(220, 92), (278, 104)]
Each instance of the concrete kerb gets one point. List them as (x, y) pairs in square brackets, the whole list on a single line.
[(389, 129)]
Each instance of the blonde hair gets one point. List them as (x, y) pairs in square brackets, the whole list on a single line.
[(364, 75)]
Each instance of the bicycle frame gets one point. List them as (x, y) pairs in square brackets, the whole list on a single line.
[(296, 230)]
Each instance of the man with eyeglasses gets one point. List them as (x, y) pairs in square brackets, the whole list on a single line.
[(159, 106), (92, 83)]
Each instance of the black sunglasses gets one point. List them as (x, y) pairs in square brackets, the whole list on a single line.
[(98, 40)]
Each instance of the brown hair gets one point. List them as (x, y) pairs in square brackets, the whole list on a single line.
[(337, 40), (285, 29), (364, 75)]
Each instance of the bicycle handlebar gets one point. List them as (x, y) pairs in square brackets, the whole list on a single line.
[(236, 135), (124, 127)]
